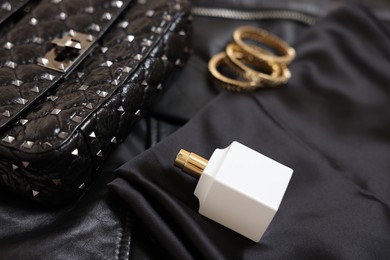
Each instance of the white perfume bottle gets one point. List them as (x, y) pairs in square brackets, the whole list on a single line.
[(238, 187)]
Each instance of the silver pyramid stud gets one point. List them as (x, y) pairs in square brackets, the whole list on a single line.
[(43, 61), (37, 40), (8, 139), (63, 135), (56, 182), (144, 83), (138, 57), (71, 33), (115, 82), (126, 69), (89, 9), (8, 45), (21, 101), (77, 119), (182, 33), (55, 111), (177, 7), (123, 24), (120, 109), (23, 121), (48, 76), (35, 89), (52, 98), (80, 74), (113, 140), (6, 113), (6, 6), (10, 64), (61, 67), (106, 64), (146, 42), (129, 38), (164, 57), (103, 49), (75, 152), (95, 27), (102, 93), (137, 113), (82, 186), (34, 193), (157, 30), (83, 87), (106, 16), (149, 13), (62, 16), (25, 164), (167, 17), (90, 37), (27, 144), (141, 2), (17, 82), (178, 62), (92, 134), (14, 167), (159, 87), (33, 21), (117, 4), (56, 1), (89, 106), (99, 153)]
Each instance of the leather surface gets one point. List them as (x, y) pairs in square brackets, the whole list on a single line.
[(22, 80), (96, 226), (52, 152), (22, 223)]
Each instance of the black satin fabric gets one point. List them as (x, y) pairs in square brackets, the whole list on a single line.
[(330, 123)]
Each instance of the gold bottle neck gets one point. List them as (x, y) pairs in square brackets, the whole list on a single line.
[(191, 163)]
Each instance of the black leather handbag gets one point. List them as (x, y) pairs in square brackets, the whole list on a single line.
[(74, 76)]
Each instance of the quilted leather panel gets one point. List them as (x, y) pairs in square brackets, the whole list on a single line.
[(53, 150), (28, 41)]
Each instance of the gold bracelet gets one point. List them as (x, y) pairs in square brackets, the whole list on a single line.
[(262, 72), (283, 77), (226, 82), (254, 66), (262, 36)]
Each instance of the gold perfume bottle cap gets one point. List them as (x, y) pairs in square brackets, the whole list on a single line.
[(191, 163)]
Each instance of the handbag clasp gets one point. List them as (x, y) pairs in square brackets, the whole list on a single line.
[(66, 51)]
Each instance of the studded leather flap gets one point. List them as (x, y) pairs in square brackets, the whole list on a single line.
[(57, 125), (22, 80)]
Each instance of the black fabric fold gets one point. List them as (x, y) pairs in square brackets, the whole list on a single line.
[(330, 123)]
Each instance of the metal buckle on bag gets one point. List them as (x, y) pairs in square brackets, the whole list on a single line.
[(67, 50)]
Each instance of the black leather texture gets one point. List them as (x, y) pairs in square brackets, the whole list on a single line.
[(57, 128), (98, 225), (9, 8)]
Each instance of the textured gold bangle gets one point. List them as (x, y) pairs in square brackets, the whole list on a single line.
[(228, 83), (283, 77), (262, 36), (260, 71)]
